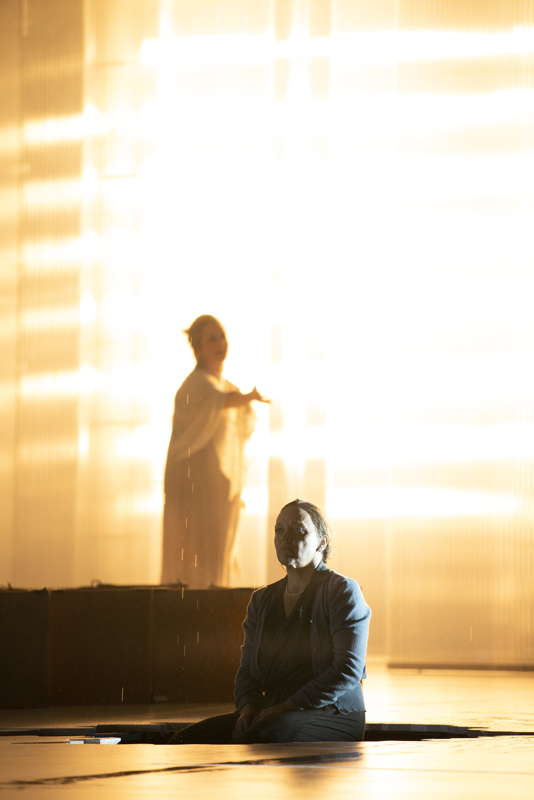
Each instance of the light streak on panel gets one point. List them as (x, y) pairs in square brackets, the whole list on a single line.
[(90, 182), (255, 501), (389, 47), (84, 442), (371, 48), (54, 130), (47, 452), (141, 443), (9, 141), (52, 195), (57, 255), (49, 255), (416, 502), (67, 383), (381, 446), (121, 246), (49, 319), (167, 51), (423, 112), (482, 172), (117, 383), (87, 310), (92, 122), (119, 316), (364, 117), (298, 442), (146, 504)]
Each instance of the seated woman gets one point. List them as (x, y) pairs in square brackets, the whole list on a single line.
[(303, 656)]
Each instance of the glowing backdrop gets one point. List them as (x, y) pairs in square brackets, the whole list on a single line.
[(348, 186)]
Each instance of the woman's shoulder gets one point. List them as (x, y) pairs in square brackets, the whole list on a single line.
[(342, 593), (262, 593), (197, 385), (191, 380), (228, 386), (336, 583), (335, 578)]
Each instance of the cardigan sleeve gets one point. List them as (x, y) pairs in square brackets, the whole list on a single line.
[(246, 689), (349, 617)]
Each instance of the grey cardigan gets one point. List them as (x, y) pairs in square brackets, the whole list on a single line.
[(338, 637)]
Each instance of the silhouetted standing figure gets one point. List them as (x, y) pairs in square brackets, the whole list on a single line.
[(205, 465)]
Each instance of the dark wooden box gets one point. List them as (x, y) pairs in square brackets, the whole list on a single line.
[(24, 642)]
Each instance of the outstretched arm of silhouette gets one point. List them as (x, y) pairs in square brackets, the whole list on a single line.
[(237, 399)]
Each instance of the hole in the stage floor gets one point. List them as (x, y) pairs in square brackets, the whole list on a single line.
[(157, 733)]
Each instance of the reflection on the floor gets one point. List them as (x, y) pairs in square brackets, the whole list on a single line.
[(406, 704)]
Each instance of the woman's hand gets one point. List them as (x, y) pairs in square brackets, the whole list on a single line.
[(244, 721), (267, 714), (236, 399), (255, 395)]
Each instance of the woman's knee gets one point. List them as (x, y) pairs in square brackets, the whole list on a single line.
[(283, 728), (311, 726)]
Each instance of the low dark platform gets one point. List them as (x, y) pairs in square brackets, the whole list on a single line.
[(111, 645)]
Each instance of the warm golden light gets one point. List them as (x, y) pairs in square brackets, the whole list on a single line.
[(366, 48), (355, 205), (413, 502)]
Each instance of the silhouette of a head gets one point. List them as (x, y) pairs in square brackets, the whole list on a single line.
[(196, 330)]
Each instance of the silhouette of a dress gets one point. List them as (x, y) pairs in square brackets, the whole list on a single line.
[(203, 481)]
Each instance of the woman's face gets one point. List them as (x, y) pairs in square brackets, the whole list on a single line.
[(296, 539), (213, 346)]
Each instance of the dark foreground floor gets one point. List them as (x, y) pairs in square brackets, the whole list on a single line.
[(471, 768)]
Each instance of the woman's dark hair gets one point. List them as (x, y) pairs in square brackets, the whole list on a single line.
[(195, 330), (317, 519)]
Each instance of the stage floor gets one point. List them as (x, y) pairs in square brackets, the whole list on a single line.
[(489, 767)]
